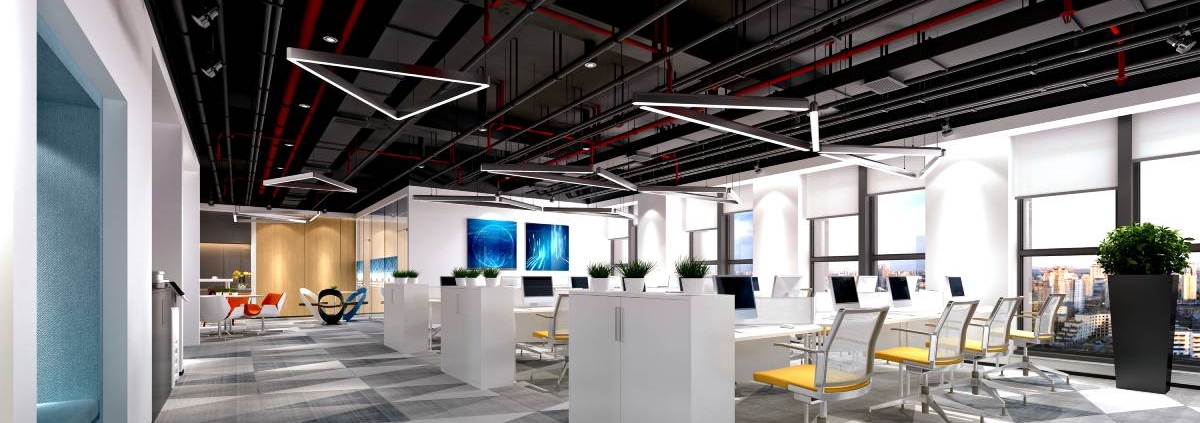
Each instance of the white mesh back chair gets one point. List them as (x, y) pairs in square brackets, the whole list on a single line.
[(942, 354), (841, 369), (552, 342), (991, 343), (1043, 324)]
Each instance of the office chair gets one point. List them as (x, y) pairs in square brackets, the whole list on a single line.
[(943, 355), (1043, 323), (841, 368), (549, 343), (268, 308), (215, 309), (992, 344)]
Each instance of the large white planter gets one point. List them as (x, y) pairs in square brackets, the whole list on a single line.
[(402, 280), (598, 284), (492, 282), (692, 285), (413, 281), (634, 284), (460, 281)]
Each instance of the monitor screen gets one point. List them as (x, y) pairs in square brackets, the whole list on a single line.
[(956, 286), (537, 286), (844, 290), (899, 288), (754, 281), (448, 281), (740, 287), (579, 282)]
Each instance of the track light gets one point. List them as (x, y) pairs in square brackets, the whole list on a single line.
[(590, 64), (205, 15), (1183, 42), (212, 70), (946, 129)]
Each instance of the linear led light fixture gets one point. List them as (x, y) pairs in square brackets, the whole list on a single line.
[(478, 200), (716, 194), (872, 164), (279, 218), (588, 211), (316, 62), (310, 180), (719, 102), (553, 173), (728, 126), (899, 151)]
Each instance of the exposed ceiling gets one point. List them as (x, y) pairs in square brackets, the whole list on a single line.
[(887, 70)]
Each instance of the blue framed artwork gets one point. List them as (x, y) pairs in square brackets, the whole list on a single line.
[(491, 244), (547, 247)]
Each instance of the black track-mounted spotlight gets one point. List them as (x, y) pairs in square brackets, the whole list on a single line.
[(211, 70), (205, 14), (946, 128), (1182, 42)]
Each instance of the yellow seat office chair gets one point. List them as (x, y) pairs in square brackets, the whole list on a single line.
[(991, 344), (943, 355), (1043, 324), (553, 345), (841, 369)]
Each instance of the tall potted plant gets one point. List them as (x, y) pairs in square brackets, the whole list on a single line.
[(599, 272), (691, 275), (634, 274), (1142, 261)]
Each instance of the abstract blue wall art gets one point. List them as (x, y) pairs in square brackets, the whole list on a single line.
[(491, 244), (547, 247)]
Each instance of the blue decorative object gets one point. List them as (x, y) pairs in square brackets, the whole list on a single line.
[(547, 247), (354, 302), (491, 244)]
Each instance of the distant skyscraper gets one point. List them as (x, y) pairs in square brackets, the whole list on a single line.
[(1187, 285)]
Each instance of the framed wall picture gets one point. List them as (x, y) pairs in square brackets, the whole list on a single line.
[(547, 247), (491, 244)]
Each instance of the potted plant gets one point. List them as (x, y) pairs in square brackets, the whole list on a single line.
[(472, 276), (412, 276), (599, 274), (691, 275), (1142, 261), (400, 276), (634, 274), (460, 275), (491, 276)]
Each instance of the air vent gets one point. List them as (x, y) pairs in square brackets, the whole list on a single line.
[(310, 180), (884, 85)]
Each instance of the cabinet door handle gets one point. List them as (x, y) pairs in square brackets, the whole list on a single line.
[(620, 320)]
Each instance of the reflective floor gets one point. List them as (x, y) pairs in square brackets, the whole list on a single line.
[(304, 372)]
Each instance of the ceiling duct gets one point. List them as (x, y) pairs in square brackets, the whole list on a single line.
[(310, 180)]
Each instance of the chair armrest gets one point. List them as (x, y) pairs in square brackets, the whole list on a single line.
[(798, 347), (983, 319), (912, 331)]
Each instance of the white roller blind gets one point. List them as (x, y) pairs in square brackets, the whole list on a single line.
[(878, 182), (831, 192), (699, 214), (1072, 158), (1167, 131), (617, 228)]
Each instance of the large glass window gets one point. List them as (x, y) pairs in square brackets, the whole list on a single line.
[(1163, 203), (741, 243), (704, 245), (835, 236), (1070, 220), (822, 270), (885, 268), (900, 222)]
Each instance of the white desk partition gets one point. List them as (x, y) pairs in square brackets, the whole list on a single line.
[(477, 335), (406, 317), (651, 357)]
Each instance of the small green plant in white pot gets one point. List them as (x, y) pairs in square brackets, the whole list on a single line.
[(473, 277), (633, 274), (491, 276), (691, 275), (411, 275), (599, 274), (461, 274), (399, 276)]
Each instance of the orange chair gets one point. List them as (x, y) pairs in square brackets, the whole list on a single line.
[(268, 308), (240, 307)]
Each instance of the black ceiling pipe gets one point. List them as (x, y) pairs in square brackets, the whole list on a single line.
[(266, 65), (182, 19)]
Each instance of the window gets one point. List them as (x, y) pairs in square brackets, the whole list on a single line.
[(1162, 203), (620, 250), (834, 248), (900, 223), (741, 242), (885, 268), (703, 245), (822, 270), (1061, 235)]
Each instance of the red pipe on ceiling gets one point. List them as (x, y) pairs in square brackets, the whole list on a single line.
[(341, 46), (303, 40), (845, 54)]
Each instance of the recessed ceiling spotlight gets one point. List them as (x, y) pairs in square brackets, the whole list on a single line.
[(288, 144), (587, 148), (590, 64), (330, 39), (483, 129), (278, 167), (304, 105)]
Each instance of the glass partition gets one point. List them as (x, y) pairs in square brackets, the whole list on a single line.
[(382, 247)]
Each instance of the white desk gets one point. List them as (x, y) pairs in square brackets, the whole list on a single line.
[(525, 319)]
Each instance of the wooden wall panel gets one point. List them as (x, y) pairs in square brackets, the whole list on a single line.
[(316, 255)]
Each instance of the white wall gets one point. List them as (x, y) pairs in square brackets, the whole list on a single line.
[(438, 237), (969, 219), (652, 241), (18, 188), (113, 44), (777, 229)]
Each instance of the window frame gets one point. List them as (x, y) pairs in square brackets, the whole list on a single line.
[(813, 258), (875, 256), (728, 262)]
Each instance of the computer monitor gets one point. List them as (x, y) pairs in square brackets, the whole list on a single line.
[(788, 286), (579, 282), (869, 283), (742, 290), (448, 281), (901, 293), (754, 281), (845, 293), (539, 290), (956, 286)]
